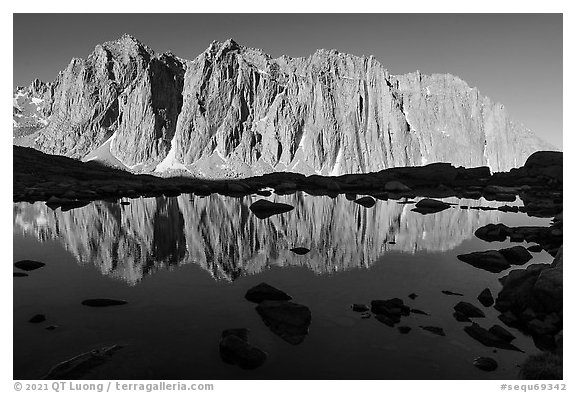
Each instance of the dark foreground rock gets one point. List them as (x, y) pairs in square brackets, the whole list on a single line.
[(38, 318), (491, 260), (543, 366), (434, 330), (263, 291), (103, 302), (264, 209), (29, 265), (288, 320), (366, 201), (485, 298), (516, 255), (300, 250), (531, 300), (429, 206), (79, 365), (469, 310), (235, 349), (485, 364), (487, 338)]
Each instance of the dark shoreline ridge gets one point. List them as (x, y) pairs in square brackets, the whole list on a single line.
[(67, 182)]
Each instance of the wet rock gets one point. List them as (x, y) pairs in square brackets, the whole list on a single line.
[(366, 201), (38, 318), (79, 365), (434, 330), (286, 319), (19, 274), (460, 317), (103, 302), (450, 293), (404, 329), (487, 338), (516, 255), (502, 333), (492, 232), (535, 248), (485, 298), (470, 310), (264, 209), (241, 333), (300, 250), (485, 364), (389, 320), (29, 265), (543, 366), (360, 307), (236, 350), (429, 206), (491, 260), (390, 307), (263, 291)]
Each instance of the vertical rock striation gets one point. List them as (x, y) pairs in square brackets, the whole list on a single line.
[(235, 111)]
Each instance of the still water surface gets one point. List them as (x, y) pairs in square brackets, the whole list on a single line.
[(184, 264)]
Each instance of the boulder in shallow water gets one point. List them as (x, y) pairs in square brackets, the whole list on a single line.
[(28, 265), (487, 338), (516, 255), (103, 302), (390, 307), (288, 320), (485, 364), (300, 250), (79, 365), (502, 333), (434, 330), (470, 310), (491, 260), (235, 350), (263, 291), (485, 298), (429, 206), (38, 318), (264, 209), (493, 232), (19, 274), (365, 201)]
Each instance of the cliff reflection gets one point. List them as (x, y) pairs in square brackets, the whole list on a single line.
[(222, 236)]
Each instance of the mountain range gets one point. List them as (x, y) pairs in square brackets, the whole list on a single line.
[(235, 111)]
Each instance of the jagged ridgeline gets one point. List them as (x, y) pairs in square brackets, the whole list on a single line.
[(235, 111)]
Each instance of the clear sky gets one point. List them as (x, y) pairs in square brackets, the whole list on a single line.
[(515, 59)]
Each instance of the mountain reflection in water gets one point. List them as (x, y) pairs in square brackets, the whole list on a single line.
[(221, 234)]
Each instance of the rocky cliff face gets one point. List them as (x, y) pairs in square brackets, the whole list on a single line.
[(221, 234), (235, 111)]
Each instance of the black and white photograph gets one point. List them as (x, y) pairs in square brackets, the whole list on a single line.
[(287, 196)]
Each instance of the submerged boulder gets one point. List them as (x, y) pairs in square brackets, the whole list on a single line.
[(264, 209), (235, 349), (288, 320), (29, 265), (429, 206), (366, 201), (263, 291), (485, 298), (470, 310), (491, 260), (487, 338), (485, 364)]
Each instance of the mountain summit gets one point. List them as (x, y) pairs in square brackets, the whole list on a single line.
[(235, 111)]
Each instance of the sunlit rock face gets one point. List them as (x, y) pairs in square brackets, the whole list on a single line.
[(221, 234), (235, 111)]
